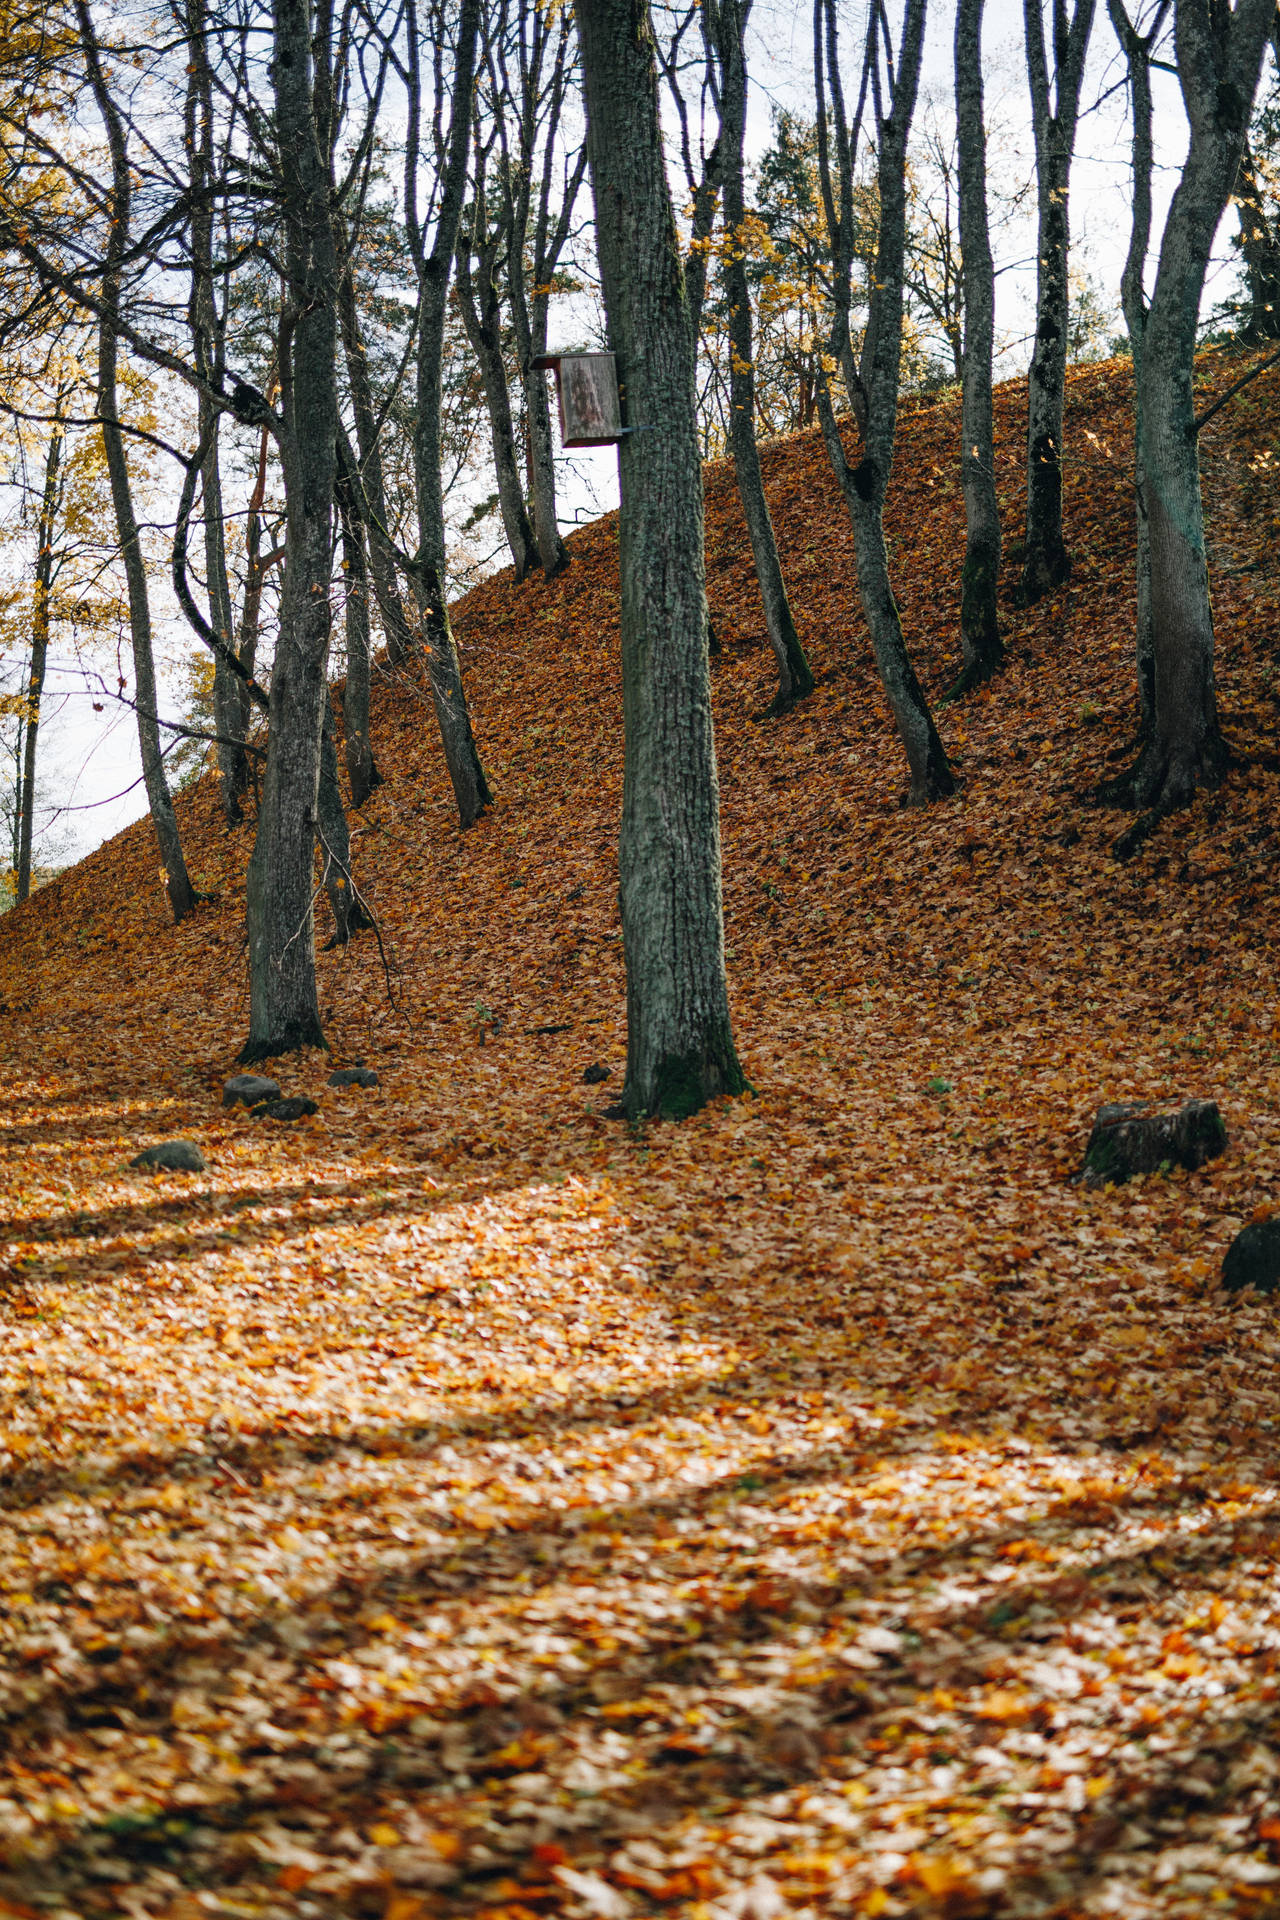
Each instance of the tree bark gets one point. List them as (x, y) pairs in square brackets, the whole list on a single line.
[(284, 1012), (1046, 562), (680, 1050), (875, 381), (180, 890), (727, 23), (982, 649), (362, 768), (470, 787), (1219, 57), (39, 657)]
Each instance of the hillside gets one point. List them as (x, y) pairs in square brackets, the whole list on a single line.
[(462, 1504)]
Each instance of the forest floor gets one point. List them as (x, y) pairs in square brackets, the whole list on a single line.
[(463, 1504)]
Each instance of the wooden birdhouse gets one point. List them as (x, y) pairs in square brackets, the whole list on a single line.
[(590, 408)]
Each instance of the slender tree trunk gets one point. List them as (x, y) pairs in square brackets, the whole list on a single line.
[(181, 893), (482, 320), (1260, 247), (470, 787), (284, 1011), (202, 319), (334, 844), (982, 649), (1219, 55), (875, 392), (795, 678), (1046, 563), (39, 658), (382, 558), (362, 768), (1138, 50), (680, 1050)]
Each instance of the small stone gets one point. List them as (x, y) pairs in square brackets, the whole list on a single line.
[(171, 1156), (295, 1107), (354, 1077), (248, 1089), (594, 1074), (1253, 1259), (1126, 1140)]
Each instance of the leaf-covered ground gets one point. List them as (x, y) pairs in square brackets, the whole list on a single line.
[(458, 1504)]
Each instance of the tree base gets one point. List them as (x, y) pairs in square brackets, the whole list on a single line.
[(683, 1085), (292, 1038), (1042, 573), (974, 674), (1162, 781)]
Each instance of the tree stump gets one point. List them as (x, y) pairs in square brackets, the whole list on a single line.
[(1127, 1139)]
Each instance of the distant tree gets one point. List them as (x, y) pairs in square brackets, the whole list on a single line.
[(1055, 75), (680, 1050), (1257, 202)]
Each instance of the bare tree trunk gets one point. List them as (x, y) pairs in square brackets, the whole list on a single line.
[(680, 1050), (181, 893), (1260, 246), (284, 1011), (727, 23), (382, 555), (1138, 50), (481, 316), (39, 657), (982, 649), (202, 320), (470, 787), (1219, 56), (362, 768), (875, 379), (1046, 563), (334, 843)]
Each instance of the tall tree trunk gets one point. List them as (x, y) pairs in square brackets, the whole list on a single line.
[(382, 556), (1219, 56), (362, 768), (470, 787), (795, 678), (478, 303), (181, 893), (1138, 50), (875, 379), (982, 649), (1046, 563), (284, 1011), (680, 1050), (202, 320), (39, 657)]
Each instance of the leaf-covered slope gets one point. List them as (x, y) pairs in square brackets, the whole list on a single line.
[(459, 1504)]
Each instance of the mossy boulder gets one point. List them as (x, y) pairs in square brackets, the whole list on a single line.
[(1130, 1139)]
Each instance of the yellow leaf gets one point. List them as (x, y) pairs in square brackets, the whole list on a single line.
[(384, 1836)]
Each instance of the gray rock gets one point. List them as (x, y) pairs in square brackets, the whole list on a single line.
[(1253, 1259), (1127, 1139), (171, 1156), (594, 1074), (353, 1077), (247, 1089), (295, 1107)]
